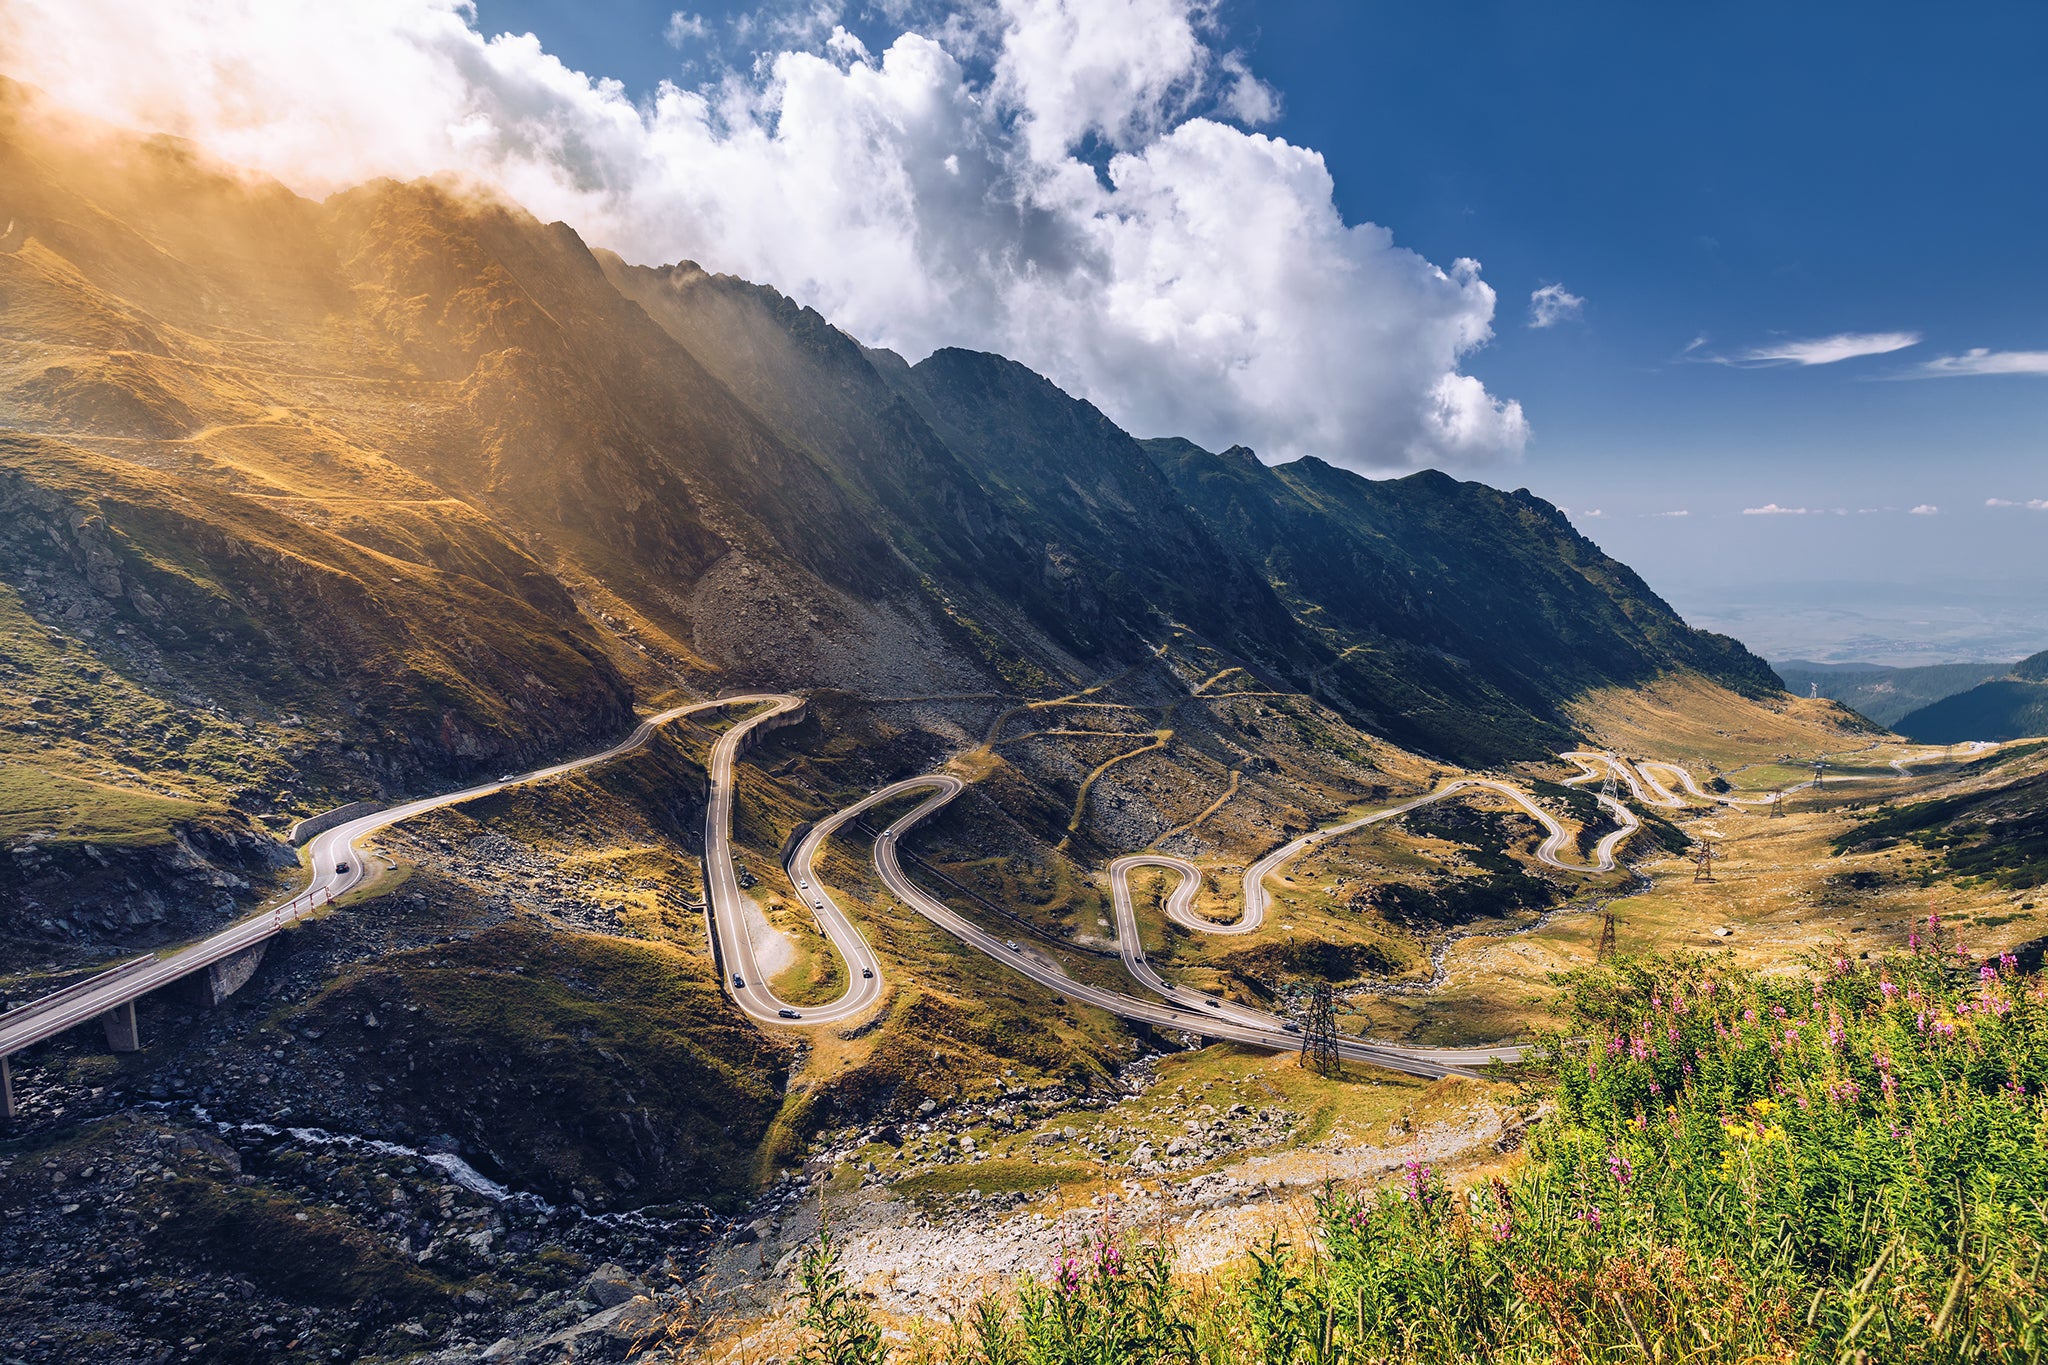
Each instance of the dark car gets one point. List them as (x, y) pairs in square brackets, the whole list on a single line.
[(868, 972), (1212, 1004), (1292, 1027), (739, 982), (789, 1014), (341, 867)]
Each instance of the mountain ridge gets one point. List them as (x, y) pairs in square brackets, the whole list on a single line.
[(537, 485), (2012, 706)]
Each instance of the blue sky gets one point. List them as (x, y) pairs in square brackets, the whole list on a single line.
[(1711, 180)]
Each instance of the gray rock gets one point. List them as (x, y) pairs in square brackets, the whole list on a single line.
[(609, 1286)]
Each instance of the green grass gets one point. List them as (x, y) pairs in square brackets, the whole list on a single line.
[(998, 1175), (62, 809)]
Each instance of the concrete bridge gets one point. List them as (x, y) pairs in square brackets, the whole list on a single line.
[(211, 970)]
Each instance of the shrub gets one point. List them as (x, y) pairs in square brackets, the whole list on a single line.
[(1846, 1165)]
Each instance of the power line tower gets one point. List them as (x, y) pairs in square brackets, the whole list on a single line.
[(1319, 1034), (1820, 771), (1609, 918), (1607, 787), (1777, 805), (1703, 863)]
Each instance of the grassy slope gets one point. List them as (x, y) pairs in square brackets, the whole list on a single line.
[(1990, 832), (2002, 709), (1735, 1168), (583, 1062)]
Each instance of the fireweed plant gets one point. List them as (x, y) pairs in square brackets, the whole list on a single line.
[(1845, 1165)]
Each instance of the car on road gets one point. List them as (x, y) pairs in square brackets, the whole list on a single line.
[(1291, 1026), (341, 867), (1212, 1004), (739, 983), (803, 885), (509, 777), (1013, 946), (868, 973), (789, 1014)]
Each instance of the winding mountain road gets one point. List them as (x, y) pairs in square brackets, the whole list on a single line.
[(1257, 899), (1234, 1025), (337, 866)]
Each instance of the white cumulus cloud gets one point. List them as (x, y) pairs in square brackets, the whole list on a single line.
[(1076, 183), (1552, 304), (1679, 512), (1983, 361), (1822, 350), (1925, 509), (1771, 509)]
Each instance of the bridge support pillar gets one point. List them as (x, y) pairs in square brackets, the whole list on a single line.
[(123, 1033), (6, 1092), (225, 977)]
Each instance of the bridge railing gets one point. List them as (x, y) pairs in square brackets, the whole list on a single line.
[(77, 988)]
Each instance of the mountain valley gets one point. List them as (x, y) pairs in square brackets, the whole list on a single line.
[(317, 506)]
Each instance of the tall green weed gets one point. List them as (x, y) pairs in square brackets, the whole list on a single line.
[(1845, 1165)]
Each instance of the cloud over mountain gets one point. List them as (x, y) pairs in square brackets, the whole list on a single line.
[(1072, 183)]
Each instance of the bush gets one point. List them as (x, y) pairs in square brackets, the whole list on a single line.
[(1849, 1165)]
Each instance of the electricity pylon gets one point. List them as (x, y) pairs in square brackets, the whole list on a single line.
[(1703, 863), (1608, 919), (1319, 1034)]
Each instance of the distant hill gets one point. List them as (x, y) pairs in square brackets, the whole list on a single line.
[(2014, 706), (1883, 693)]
